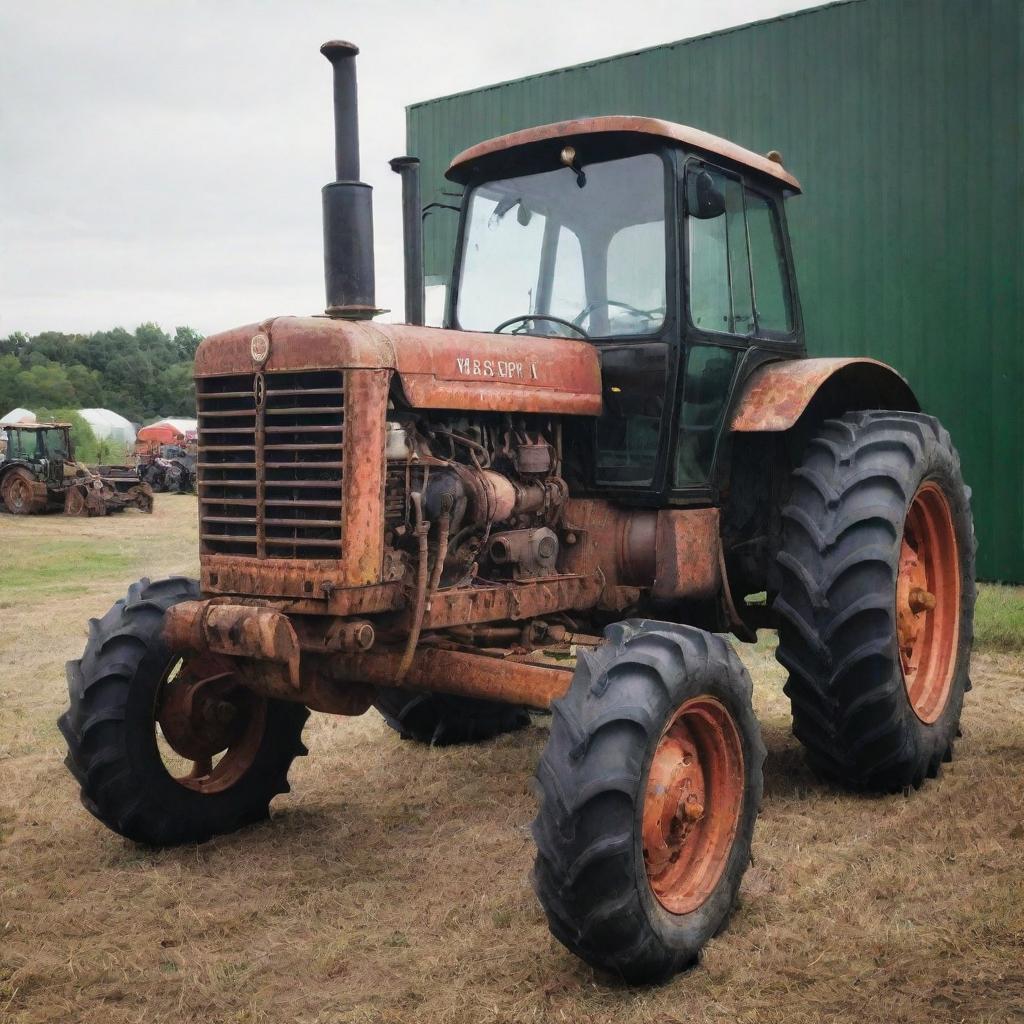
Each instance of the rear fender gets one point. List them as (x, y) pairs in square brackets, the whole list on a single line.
[(775, 396)]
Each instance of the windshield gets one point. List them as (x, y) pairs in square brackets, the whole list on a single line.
[(37, 444), (587, 247)]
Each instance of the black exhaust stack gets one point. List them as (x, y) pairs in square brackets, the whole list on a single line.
[(348, 202), (412, 230)]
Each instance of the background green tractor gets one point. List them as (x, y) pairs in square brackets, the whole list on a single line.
[(38, 473)]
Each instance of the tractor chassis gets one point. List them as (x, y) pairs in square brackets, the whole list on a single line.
[(326, 664)]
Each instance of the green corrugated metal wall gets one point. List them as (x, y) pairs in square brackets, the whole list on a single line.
[(903, 120)]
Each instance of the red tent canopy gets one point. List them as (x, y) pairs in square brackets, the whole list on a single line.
[(161, 433)]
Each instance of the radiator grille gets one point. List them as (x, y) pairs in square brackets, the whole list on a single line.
[(270, 463)]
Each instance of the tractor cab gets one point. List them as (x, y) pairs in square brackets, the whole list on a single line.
[(45, 446), (664, 247)]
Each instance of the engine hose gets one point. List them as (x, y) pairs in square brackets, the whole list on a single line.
[(444, 522), (420, 603), (425, 590)]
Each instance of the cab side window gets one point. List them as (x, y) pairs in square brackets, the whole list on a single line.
[(767, 267), (736, 261), (718, 261)]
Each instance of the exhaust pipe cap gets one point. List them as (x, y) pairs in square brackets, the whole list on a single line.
[(335, 48)]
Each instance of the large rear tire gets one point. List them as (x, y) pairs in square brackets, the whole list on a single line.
[(650, 786), (876, 601), (145, 769), (441, 720), (19, 493)]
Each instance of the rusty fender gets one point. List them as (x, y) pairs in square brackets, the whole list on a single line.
[(775, 396)]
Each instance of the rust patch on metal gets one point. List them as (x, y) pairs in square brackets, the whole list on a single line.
[(515, 600), (674, 552), (687, 554), (460, 168), (362, 537), (462, 674), (196, 713), (234, 630), (775, 395)]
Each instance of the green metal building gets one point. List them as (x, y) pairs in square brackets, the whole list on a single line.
[(904, 121)]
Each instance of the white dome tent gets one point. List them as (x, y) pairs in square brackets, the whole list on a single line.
[(19, 415), (109, 426)]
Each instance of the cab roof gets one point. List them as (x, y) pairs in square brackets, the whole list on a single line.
[(461, 167), (32, 425)]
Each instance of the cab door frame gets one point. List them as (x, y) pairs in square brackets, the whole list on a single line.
[(752, 350)]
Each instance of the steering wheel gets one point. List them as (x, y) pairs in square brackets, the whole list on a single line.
[(540, 316), (590, 307)]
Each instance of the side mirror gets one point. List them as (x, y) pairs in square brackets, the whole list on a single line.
[(703, 200)]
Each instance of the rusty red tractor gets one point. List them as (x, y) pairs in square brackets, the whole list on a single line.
[(616, 449)]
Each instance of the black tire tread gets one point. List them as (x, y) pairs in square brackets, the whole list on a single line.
[(95, 729), (589, 778), (843, 521), (441, 720)]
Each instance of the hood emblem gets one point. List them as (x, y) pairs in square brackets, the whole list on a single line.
[(259, 347)]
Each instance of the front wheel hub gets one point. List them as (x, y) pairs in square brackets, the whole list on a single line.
[(692, 804), (204, 713)]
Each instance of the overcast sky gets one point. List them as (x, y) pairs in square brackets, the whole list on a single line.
[(162, 159)]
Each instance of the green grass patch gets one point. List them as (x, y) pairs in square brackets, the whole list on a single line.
[(58, 566), (999, 618)]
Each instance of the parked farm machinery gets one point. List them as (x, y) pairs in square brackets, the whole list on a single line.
[(39, 473)]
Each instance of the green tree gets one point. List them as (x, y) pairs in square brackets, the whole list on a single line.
[(10, 388), (46, 384), (140, 374), (187, 340), (82, 437)]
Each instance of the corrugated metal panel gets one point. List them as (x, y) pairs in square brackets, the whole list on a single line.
[(903, 120)]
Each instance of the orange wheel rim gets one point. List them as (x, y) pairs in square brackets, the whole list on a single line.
[(211, 726), (692, 804), (928, 602)]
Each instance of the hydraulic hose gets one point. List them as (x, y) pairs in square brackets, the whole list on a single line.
[(425, 590)]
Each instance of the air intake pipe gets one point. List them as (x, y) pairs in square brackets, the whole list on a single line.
[(348, 202), (412, 231)]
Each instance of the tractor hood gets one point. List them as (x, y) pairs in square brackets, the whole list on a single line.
[(438, 369)]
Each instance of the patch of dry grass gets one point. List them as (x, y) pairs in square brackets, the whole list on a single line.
[(392, 883)]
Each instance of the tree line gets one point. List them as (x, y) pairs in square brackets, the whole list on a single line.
[(143, 375)]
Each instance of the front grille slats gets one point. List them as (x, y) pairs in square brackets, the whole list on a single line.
[(301, 428), (288, 542), (278, 392), (270, 476)]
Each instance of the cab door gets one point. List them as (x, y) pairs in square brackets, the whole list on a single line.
[(738, 304)]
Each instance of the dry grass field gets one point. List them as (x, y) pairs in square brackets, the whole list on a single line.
[(392, 883)]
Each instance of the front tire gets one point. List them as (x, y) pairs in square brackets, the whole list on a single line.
[(124, 683), (876, 601), (441, 720), (650, 787)]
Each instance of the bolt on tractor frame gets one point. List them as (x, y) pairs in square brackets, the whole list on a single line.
[(615, 451)]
